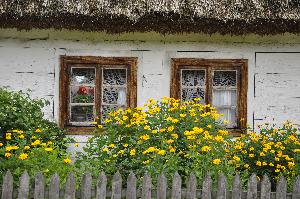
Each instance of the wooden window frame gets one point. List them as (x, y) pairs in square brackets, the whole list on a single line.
[(130, 63), (240, 65)]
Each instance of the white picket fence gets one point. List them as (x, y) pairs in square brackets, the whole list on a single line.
[(101, 191)]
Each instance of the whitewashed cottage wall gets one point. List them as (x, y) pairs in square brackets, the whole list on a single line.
[(32, 62)]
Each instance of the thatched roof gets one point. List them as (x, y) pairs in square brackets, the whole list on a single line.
[(164, 16)]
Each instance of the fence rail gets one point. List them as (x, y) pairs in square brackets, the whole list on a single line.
[(86, 191)]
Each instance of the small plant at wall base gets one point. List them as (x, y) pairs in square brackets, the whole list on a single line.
[(167, 136)]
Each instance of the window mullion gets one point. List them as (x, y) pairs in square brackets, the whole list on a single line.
[(98, 90), (209, 85)]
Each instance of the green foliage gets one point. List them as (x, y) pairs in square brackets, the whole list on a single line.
[(167, 136), (19, 111)]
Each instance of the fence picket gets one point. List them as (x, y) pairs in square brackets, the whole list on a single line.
[(237, 188), (222, 182), (7, 186), (191, 187), (281, 188), (265, 192), (24, 186), (162, 187), (176, 186), (86, 186), (206, 187), (252, 187), (39, 186), (131, 186), (70, 190), (146, 187), (116, 186), (101, 186), (54, 187), (296, 188)]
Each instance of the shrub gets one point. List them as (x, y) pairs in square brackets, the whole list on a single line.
[(167, 136), (272, 151), (19, 111), (34, 151)]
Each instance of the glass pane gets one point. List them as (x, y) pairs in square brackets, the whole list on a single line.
[(188, 94), (83, 76), (114, 76), (82, 94), (114, 95), (224, 78), (230, 115), (224, 97), (105, 110), (193, 77), (82, 113)]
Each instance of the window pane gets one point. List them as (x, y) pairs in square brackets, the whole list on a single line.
[(191, 93), (224, 78), (114, 76), (114, 95), (82, 76), (230, 115), (82, 113), (224, 98), (105, 110), (193, 78), (82, 94)]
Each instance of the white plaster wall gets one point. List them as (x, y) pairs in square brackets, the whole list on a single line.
[(273, 84)]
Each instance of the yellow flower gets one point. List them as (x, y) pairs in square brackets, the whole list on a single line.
[(277, 170), (246, 166), (21, 136), (154, 131), (36, 142), (276, 159), (146, 162), (147, 127), (170, 141), (219, 138), (162, 130), (48, 149), (216, 161), (125, 145), (49, 142), (205, 148), (23, 156), (105, 149), (297, 150), (26, 147), (170, 128), (251, 155), (172, 149), (145, 137), (38, 131), (115, 155), (76, 144), (111, 145), (8, 136), (7, 155), (226, 122), (262, 154), (182, 115), (174, 135), (1, 144), (236, 158), (161, 152), (67, 160), (209, 126), (264, 164), (132, 152), (100, 126), (291, 164), (271, 164), (258, 163)]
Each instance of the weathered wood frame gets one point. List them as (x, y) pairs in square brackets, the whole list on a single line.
[(241, 65), (130, 63)]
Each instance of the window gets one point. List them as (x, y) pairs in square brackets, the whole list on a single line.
[(222, 83), (91, 86)]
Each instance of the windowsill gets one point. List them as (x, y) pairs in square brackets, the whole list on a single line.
[(79, 130)]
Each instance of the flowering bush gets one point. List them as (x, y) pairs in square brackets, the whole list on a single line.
[(166, 136), (272, 151), (34, 151)]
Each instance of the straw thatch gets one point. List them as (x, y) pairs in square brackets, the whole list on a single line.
[(165, 16)]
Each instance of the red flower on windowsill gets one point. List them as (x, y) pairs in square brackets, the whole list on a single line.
[(82, 90)]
